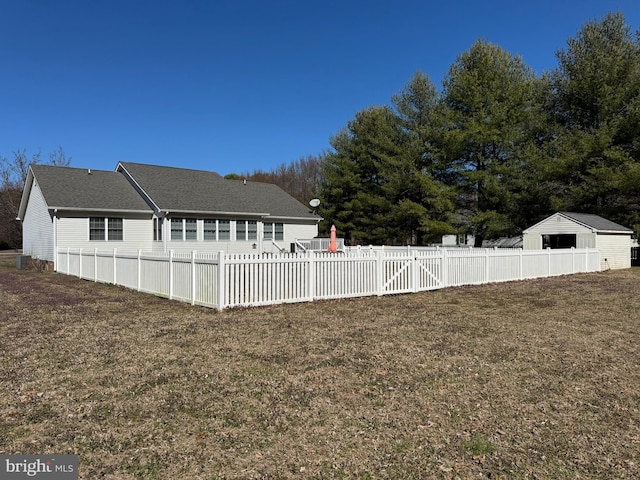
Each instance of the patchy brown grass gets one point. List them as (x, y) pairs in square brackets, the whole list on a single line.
[(534, 379)]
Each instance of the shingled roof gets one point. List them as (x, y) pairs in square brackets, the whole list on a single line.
[(83, 189), (596, 222), (181, 190)]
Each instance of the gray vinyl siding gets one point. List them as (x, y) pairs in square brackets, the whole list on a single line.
[(557, 225), (615, 251), (73, 232), (37, 227), (292, 232), (531, 241), (586, 240)]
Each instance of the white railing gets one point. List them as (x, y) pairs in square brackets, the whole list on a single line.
[(319, 244), (224, 280)]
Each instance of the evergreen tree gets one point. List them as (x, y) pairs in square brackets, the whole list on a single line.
[(381, 185), (595, 98), (355, 174), (488, 97)]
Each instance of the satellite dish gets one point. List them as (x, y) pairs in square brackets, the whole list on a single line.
[(314, 202)]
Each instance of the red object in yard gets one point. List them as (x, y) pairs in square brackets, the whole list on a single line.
[(333, 243)]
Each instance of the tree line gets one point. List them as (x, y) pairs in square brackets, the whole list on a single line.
[(491, 152), (496, 149), (13, 173)]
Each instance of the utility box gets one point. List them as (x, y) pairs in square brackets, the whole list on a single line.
[(23, 262)]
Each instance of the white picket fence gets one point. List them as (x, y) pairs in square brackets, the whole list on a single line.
[(222, 280)]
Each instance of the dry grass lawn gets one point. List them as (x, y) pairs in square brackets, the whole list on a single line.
[(534, 379)]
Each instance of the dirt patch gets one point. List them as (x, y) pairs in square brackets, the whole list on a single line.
[(533, 379)]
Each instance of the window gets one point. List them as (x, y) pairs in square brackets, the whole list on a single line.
[(157, 229), (241, 230), (114, 230), (96, 228), (274, 231), (279, 228), (176, 228), (191, 229), (101, 228), (184, 229), (252, 230), (224, 230), (210, 229), (559, 241), (216, 229), (246, 230), (268, 231)]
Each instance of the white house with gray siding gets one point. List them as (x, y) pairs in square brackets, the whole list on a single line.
[(581, 230), (156, 208)]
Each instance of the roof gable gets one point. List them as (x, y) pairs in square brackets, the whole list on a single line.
[(593, 222), (180, 190), (83, 189)]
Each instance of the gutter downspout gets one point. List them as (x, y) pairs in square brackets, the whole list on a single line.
[(164, 232), (55, 240)]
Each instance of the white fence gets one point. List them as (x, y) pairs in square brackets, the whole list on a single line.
[(224, 280)]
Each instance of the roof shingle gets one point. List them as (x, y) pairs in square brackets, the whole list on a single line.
[(79, 188), (596, 222), (184, 190)]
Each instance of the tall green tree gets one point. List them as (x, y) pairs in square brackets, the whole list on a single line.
[(488, 95), (419, 185), (355, 173), (380, 183), (595, 98)]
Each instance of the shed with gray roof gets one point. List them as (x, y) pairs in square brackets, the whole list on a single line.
[(582, 230)]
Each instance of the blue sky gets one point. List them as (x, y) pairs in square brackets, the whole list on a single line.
[(233, 86)]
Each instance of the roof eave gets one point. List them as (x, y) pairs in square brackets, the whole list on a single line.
[(280, 217), (622, 232), (26, 191), (172, 211), (99, 210)]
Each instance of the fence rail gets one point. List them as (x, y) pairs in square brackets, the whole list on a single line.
[(224, 280)]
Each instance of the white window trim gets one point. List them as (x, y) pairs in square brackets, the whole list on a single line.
[(272, 235), (105, 227), (255, 231)]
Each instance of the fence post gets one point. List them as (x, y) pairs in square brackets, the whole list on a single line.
[(380, 272), (549, 261), (95, 264), (414, 267), (114, 266), (193, 277), (311, 282), (486, 265), (68, 261), (139, 269), (573, 259), (80, 263), (521, 264), (221, 282), (444, 268), (170, 274)]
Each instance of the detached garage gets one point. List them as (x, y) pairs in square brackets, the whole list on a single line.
[(582, 230)]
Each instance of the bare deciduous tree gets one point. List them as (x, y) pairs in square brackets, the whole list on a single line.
[(13, 173), (300, 178)]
